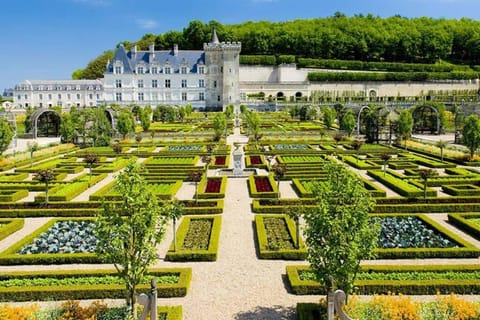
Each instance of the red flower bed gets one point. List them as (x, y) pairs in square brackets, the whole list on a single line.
[(213, 186), (263, 184), (220, 160), (255, 160)]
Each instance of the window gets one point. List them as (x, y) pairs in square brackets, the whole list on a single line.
[(184, 83), (201, 70), (167, 83), (140, 96), (49, 96), (168, 70), (69, 96), (98, 96), (118, 83), (90, 96), (154, 96), (201, 83), (183, 70), (26, 97), (78, 96), (221, 69), (118, 69), (140, 83), (140, 70), (118, 96), (184, 96), (215, 83), (19, 97), (168, 96), (154, 70), (59, 96), (40, 96), (218, 98), (201, 96), (154, 83)]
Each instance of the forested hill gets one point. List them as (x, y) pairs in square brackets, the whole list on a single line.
[(365, 38)]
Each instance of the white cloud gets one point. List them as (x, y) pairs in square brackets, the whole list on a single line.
[(147, 23)]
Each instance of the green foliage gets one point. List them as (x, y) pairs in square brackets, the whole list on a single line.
[(258, 60), (125, 123), (348, 122), (6, 135), (339, 232), (100, 131), (471, 133), (145, 117), (95, 68), (328, 116), (129, 231), (219, 125), (405, 125), (391, 76)]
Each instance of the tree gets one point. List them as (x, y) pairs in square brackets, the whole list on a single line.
[(348, 122), (125, 123), (471, 133), (426, 174), (229, 111), (32, 147), (138, 139), (296, 212), (145, 116), (385, 157), (253, 122), (117, 148), (441, 145), (90, 159), (338, 231), (174, 210), (405, 125), (68, 131), (279, 170), (45, 176), (328, 116), (129, 231), (100, 131), (195, 176), (219, 125), (357, 145), (6, 135)]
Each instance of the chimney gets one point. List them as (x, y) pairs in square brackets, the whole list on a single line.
[(152, 51), (175, 49)]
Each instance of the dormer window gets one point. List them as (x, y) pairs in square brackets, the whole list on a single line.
[(168, 70), (140, 70), (183, 70), (118, 69), (154, 70), (201, 70)]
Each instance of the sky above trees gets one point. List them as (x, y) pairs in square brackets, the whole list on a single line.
[(48, 39)]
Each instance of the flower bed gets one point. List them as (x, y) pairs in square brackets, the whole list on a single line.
[(290, 147), (255, 160), (197, 239), (276, 238), (220, 160), (213, 187), (262, 187), (262, 184)]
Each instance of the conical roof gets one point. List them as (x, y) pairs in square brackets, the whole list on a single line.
[(214, 37)]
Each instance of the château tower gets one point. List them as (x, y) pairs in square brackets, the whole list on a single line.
[(223, 61)]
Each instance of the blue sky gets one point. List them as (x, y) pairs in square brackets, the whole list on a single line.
[(48, 39)]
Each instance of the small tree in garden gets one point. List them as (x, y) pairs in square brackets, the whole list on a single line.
[(129, 231), (279, 170), (296, 212), (207, 160), (426, 174), (339, 232), (117, 148), (138, 139), (337, 137), (173, 209), (196, 176), (441, 145), (32, 147), (385, 157), (405, 126), (357, 144), (219, 126), (45, 176), (471, 133), (90, 159)]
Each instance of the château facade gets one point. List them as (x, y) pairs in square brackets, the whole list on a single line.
[(212, 79)]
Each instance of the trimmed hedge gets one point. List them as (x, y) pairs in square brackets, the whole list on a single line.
[(391, 76), (462, 222), (415, 287), (462, 190), (202, 194), (212, 206), (47, 293), (400, 186), (196, 255), (265, 252), (9, 226), (12, 195), (10, 255), (63, 192), (256, 194), (465, 249)]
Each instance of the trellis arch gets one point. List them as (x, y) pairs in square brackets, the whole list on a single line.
[(358, 117), (51, 126), (426, 118)]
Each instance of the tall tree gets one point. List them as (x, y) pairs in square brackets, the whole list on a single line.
[(339, 232), (68, 132), (328, 116), (129, 231), (405, 126), (219, 125), (426, 174), (6, 135), (145, 117), (471, 133), (348, 122), (100, 131)]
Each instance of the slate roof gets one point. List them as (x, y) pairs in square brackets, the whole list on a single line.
[(191, 58)]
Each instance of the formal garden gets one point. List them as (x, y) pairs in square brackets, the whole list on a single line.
[(424, 201)]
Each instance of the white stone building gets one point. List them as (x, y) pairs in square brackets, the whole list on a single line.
[(64, 93)]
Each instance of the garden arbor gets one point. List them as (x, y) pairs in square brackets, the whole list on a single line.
[(426, 119), (45, 123)]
